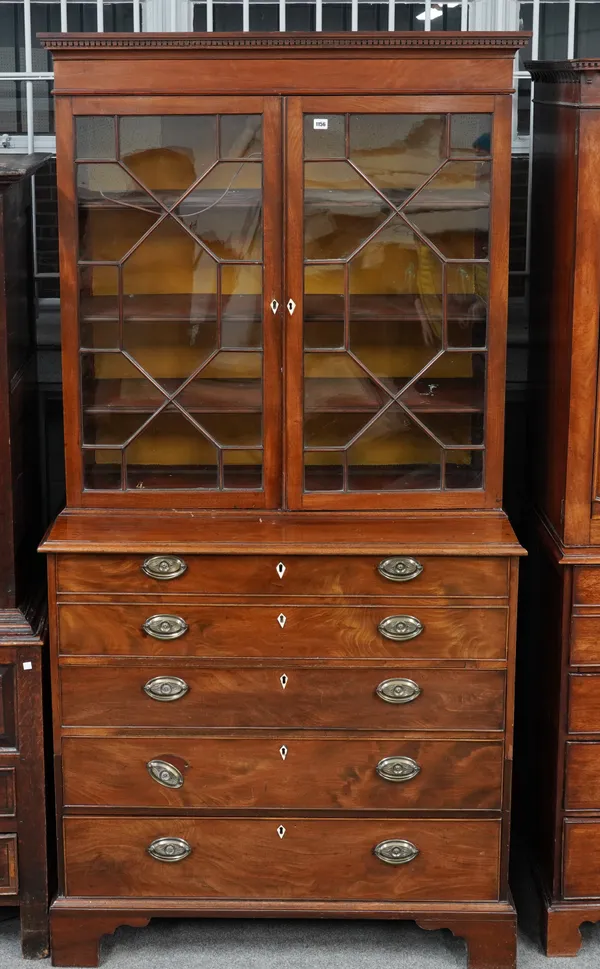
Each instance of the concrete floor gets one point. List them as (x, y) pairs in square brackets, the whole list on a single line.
[(271, 944)]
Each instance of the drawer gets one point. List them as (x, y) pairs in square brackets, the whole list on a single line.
[(284, 697), (9, 879), (333, 775), (7, 705), (7, 792), (582, 777), (301, 575), (284, 630), (586, 586), (581, 859), (585, 640), (282, 858), (584, 702)]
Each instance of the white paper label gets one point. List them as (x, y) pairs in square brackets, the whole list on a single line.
[(320, 124), (27, 666)]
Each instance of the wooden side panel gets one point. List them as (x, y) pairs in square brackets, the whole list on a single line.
[(8, 726), (581, 841), (582, 778), (7, 792), (9, 878), (584, 703), (241, 858)]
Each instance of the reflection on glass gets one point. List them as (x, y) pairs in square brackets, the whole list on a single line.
[(452, 210), (325, 136), (95, 138), (241, 136), (323, 471), (467, 297), (464, 469), (224, 211), (397, 408), (341, 210), (242, 469), (394, 454), (324, 306), (470, 135), (397, 152), (171, 241), (171, 453)]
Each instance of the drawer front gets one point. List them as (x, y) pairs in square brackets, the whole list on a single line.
[(333, 775), (586, 586), (301, 575), (581, 859), (582, 777), (585, 640), (7, 705), (283, 630), (285, 697), (7, 792), (9, 880), (584, 703), (282, 858)]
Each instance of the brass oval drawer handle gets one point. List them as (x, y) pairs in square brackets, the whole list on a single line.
[(400, 628), (169, 849), (396, 852), (164, 566), (400, 568), (397, 769), (398, 690), (165, 627), (165, 774), (166, 688)]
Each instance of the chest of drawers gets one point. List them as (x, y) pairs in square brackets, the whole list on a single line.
[(296, 733)]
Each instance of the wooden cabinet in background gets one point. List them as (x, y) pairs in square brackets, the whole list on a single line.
[(566, 566), (23, 849), (283, 592)]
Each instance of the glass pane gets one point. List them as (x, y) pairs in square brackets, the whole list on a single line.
[(464, 469), (323, 471), (241, 306), (171, 453), (523, 106), (325, 136), (587, 28), (241, 136), (466, 304), (452, 210), (95, 138), (470, 135), (171, 281), (554, 31), (102, 468), (396, 407), (341, 210), (394, 454), (167, 154), (225, 211), (242, 470), (397, 152), (324, 306)]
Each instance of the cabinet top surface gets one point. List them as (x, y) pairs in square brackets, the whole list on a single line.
[(504, 44), (205, 533)]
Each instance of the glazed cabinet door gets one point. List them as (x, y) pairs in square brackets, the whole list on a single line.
[(170, 217), (396, 227)]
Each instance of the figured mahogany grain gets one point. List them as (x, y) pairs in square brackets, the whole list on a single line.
[(582, 777), (581, 859), (256, 631), (304, 575), (584, 703), (586, 586), (9, 879), (250, 697), (585, 640), (281, 773), (315, 858)]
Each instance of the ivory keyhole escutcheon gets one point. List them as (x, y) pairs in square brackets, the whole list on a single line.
[(283, 679), (281, 619), (281, 831), (283, 751), (280, 569)]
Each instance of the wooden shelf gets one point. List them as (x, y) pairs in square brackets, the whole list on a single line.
[(176, 477), (329, 395), (409, 477), (199, 199)]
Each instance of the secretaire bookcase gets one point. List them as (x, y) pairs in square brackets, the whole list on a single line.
[(283, 590), (565, 429)]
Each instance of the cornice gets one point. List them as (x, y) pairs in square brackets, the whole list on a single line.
[(439, 40), (556, 72)]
